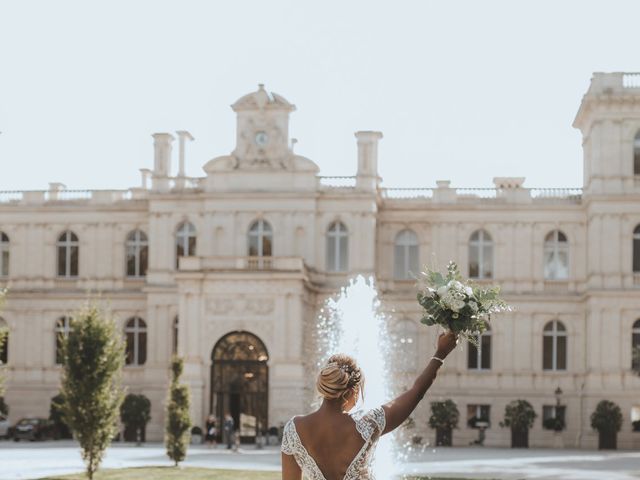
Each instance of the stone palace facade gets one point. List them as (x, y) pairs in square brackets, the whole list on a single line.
[(229, 270)]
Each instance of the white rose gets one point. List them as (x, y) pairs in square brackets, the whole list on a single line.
[(468, 291), (442, 291)]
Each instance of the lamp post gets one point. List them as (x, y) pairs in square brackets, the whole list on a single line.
[(558, 394)]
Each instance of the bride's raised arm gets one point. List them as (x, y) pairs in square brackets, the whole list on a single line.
[(399, 409)]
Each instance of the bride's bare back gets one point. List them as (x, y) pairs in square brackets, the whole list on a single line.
[(332, 441)]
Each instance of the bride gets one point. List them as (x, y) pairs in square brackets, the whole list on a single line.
[(333, 444)]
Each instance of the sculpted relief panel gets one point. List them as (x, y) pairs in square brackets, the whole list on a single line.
[(240, 306)]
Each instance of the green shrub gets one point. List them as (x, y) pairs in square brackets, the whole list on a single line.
[(607, 417), (519, 415), (444, 415)]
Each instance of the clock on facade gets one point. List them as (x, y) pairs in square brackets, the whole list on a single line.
[(262, 139)]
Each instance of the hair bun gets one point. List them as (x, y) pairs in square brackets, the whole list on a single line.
[(340, 374)]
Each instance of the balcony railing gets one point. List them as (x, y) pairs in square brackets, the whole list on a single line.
[(631, 80), (289, 264), (336, 182), (407, 193)]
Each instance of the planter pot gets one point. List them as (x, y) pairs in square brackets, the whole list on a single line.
[(444, 437), (519, 438), (607, 440), (196, 439)]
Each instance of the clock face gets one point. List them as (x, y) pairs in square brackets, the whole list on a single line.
[(262, 139)]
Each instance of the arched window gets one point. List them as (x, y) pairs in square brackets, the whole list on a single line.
[(175, 335), (260, 239), (636, 250), (185, 241), (4, 255), (636, 154), (63, 327), (554, 346), (406, 255), (136, 337), (480, 255), (337, 247), (479, 358), (4, 342), (68, 251), (137, 252), (635, 346), (556, 256), (405, 339)]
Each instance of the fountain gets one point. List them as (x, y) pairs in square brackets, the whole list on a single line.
[(352, 323)]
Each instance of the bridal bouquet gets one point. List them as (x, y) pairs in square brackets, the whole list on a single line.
[(458, 305)]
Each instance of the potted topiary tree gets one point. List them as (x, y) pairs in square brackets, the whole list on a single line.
[(519, 416), (444, 418), (135, 413), (607, 420)]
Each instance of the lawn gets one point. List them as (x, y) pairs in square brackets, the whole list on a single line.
[(171, 473)]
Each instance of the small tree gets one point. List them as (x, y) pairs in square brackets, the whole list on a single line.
[(519, 415), (178, 421), (56, 415), (607, 420), (444, 418), (135, 413), (93, 357)]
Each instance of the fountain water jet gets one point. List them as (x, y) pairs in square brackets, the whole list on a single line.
[(352, 323)]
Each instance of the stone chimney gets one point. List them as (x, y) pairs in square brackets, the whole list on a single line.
[(367, 177), (161, 160)]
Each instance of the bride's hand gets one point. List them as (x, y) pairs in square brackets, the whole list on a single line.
[(446, 343)]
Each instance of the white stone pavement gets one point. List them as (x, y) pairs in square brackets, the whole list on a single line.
[(36, 460)]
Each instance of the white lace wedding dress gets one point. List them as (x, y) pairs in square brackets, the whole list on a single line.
[(369, 424)]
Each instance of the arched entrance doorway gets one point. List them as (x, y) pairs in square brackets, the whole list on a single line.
[(240, 383)]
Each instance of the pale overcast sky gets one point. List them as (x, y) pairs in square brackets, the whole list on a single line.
[(462, 90)]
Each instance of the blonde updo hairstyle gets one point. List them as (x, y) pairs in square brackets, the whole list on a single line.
[(338, 377)]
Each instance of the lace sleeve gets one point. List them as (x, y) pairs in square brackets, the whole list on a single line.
[(288, 442), (370, 424), (379, 418)]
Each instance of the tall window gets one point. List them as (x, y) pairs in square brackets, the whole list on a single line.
[(4, 255), (337, 247), (636, 250), (63, 327), (479, 358), (68, 251), (4, 344), (480, 255), (136, 337), (260, 239), (137, 254), (405, 339), (636, 154), (556, 256), (185, 241), (406, 255), (635, 346), (551, 413), (478, 416), (175, 335), (554, 346)]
